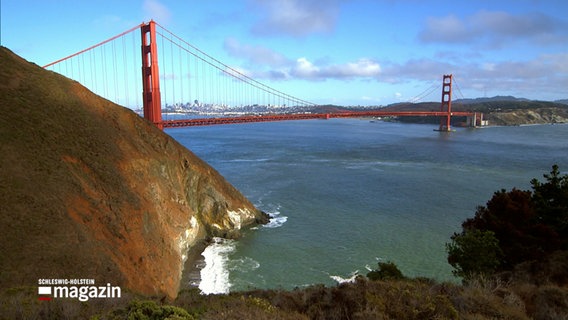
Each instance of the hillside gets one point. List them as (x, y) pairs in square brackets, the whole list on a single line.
[(519, 112), (90, 190)]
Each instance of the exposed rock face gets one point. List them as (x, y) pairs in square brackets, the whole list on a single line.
[(89, 189), (528, 116)]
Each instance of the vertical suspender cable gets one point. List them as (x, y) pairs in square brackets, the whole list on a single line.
[(126, 92), (124, 65), (210, 78), (94, 70), (164, 72), (197, 82), (204, 81), (105, 78), (115, 71), (191, 79), (181, 76), (174, 101), (137, 87)]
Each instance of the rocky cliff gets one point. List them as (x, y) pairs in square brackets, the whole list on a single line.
[(527, 116), (89, 189)]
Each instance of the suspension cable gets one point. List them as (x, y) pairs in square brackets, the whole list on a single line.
[(233, 72), (96, 45), (425, 93), (458, 87)]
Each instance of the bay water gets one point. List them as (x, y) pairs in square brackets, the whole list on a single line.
[(345, 194)]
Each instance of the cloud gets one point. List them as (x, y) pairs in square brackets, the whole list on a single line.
[(416, 69), (280, 67), (362, 68), (494, 28), (155, 10), (254, 54), (303, 69), (295, 17), (266, 63), (545, 75)]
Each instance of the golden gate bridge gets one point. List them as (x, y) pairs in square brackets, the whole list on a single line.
[(174, 72)]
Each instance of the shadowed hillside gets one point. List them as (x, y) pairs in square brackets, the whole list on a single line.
[(89, 189)]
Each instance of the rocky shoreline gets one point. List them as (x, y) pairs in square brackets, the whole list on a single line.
[(191, 275)]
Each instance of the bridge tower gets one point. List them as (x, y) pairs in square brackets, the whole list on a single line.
[(446, 105), (150, 75)]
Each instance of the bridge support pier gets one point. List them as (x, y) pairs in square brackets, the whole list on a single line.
[(476, 120), (151, 75)]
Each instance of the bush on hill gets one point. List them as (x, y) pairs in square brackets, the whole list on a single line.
[(387, 271), (528, 226)]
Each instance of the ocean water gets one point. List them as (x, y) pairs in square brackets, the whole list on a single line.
[(347, 193)]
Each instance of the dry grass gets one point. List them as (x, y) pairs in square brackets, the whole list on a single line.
[(526, 293)]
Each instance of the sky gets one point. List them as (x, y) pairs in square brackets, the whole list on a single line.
[(344, 52)]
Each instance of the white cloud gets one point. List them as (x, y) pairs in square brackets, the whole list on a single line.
[(416, 69), (494, 28), (295, 17), (488, 66), (157, 11), (254, 54), (305, 69), (362, 68), (447, 29), (266, 63), (543, 76)]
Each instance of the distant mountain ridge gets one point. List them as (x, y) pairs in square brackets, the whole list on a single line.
[(498, 110), (489, 99), (504, 98)]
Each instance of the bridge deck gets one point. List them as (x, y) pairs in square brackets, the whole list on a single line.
[(305, 116)]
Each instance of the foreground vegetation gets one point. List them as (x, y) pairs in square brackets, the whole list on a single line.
[(512, 256), (514, 227), (530, 295)]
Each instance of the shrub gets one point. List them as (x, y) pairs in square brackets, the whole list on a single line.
[(528, 226), (387, 271), (474, 252), (150, 310), (551, 202)]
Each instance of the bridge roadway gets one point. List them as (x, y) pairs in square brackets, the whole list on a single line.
[(306, 116)]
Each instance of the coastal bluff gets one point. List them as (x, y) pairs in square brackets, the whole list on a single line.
[(91, 190)]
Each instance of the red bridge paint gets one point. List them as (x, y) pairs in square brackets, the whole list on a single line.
[(304, 116)]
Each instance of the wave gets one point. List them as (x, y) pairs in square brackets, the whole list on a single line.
[(250, 160), (215, 273), (351, 279), (244, 265), (276, 220)]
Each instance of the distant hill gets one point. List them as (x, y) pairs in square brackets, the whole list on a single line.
[(492, 99), (90, 190), (500, 110)]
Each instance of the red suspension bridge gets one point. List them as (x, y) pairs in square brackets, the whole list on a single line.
[(178, 76)]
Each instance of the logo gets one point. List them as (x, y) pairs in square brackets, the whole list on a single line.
[(80, 289)]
